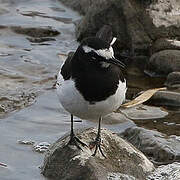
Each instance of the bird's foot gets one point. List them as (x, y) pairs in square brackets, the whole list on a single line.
[(76, 141), (97, 145)]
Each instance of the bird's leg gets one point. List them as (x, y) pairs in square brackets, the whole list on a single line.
[(97, 141), (73, 139)]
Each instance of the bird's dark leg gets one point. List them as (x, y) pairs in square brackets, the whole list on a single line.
[(73, 139), (97, 141)]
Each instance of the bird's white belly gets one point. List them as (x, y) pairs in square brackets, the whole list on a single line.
[(75, 104)]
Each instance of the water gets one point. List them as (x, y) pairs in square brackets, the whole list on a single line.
[(29, 109)]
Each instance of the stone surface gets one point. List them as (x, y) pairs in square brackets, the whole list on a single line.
[(143, 112), (160, 148), (35, 32), (165, 98), (166, 172), (67, 162), (118, 176), (163, 63), (173, 80), (136, 23), (164, 44)]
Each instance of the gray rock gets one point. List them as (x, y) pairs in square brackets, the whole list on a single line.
[(135, 23), (117, 14), (165, 98), (166, 172), (173, 80), (35, 32), (143, 112), (82, 6), (118, 176), (163, 63), (67, 162), (157, 146), (164, 44)]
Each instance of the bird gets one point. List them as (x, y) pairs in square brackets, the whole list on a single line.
[(91, 84)]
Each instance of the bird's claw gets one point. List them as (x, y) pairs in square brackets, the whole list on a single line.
[(76, 141), (97, 145)]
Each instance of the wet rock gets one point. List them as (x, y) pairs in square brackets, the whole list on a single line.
[(160, 148), (165, 98), (81, 6), (143, 112), (164, 62), (40, 40), (118, 176), (136, 23), (166, 172), (67, 162), (165, 44), (173, 80), (11, 102), (35, 32)]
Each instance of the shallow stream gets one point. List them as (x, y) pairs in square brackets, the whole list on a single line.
[(29, 109)]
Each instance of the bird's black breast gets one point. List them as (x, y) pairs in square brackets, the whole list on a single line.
[(96, 83), (92, 81)]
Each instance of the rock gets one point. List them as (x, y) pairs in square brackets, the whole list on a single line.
[(35, 32), (67, 162), (15, 101), (40, 40), (173, 80), (82, 6), (165, 98), (164, 62), (143, 112), (136, 23), (166, 172), (118, 176), (165, 44), (155, 145)]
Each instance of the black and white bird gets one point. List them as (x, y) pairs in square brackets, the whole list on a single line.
[(91, 85)]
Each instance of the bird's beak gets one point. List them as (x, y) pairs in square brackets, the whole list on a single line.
[(117, 62)]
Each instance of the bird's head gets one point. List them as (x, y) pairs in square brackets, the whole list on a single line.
[(98, 51)]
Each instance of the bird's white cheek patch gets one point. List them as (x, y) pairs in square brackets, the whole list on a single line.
[(106, 53)]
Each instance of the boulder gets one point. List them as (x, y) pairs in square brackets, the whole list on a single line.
[(165, 98), (35, 32), (160, 148), (117, 176), (165, 44), (173, 80), (68, 162), (136, 23), (166, 172), (164, 62)]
